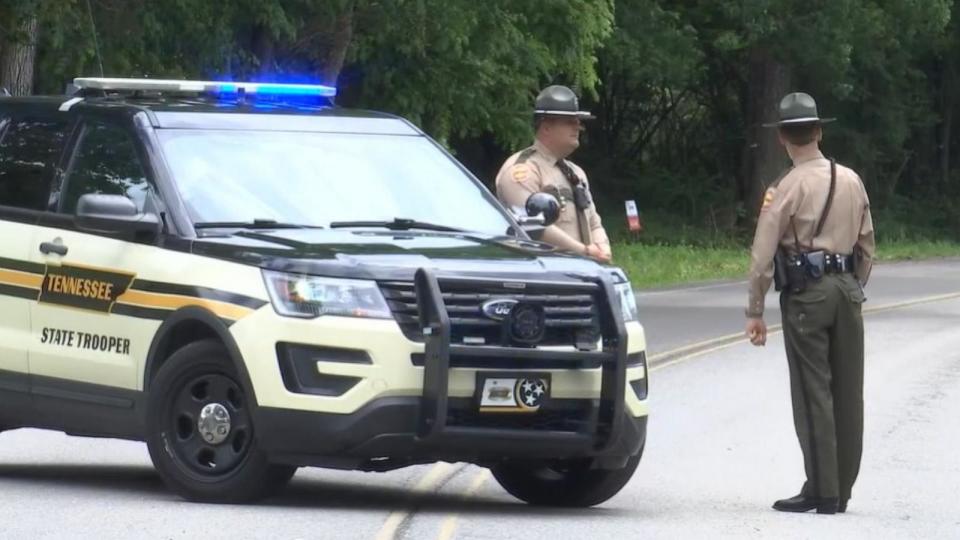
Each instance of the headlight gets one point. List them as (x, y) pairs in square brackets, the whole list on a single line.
[(628, 302), (308, 297)]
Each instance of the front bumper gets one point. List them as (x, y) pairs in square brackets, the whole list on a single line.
[(383, 436)]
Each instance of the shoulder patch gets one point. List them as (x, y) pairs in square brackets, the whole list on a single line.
[(768, 198), (520, 172), (525, 155)]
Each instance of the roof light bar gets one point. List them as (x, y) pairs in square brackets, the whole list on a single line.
[(213, 87)]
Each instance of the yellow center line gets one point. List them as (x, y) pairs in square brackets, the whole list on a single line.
[(397, 518), (693, 347), (449, 527)]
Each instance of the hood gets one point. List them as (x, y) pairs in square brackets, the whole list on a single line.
[(392, 255)]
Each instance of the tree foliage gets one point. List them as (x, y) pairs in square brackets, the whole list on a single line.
[(680, 87)]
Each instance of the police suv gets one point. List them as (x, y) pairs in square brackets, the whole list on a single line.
[(251, 279)]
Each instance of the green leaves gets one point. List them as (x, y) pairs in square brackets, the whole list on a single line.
[(670, 80), (458, 68), (462, 68)]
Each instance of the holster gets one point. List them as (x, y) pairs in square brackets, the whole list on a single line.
[(790, 272), (815, 263), (779, 270)]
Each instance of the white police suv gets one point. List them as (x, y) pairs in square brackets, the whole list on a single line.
[(251, 280)]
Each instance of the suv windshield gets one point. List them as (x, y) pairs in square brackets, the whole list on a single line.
[(319, 178)]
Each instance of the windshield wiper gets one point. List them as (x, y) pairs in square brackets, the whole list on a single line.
[(398, 224), (255, 224)]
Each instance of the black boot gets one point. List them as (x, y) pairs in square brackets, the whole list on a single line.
[(842, 505), (804, 503)]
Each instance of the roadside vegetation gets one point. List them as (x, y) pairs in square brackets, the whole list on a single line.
[(670, 253)]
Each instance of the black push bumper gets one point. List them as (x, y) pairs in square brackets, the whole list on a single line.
[(383, 435), (395, 432)]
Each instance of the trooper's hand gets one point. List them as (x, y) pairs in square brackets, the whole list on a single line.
[(598, 253), (757, 331), (607, 255)]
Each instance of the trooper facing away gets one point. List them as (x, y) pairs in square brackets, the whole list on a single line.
[(543, 167), (815, 237)]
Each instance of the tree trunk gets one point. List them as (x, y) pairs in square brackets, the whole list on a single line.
[(264, 49), (946, 127), (763, 156), (17, 56), (341, 37)]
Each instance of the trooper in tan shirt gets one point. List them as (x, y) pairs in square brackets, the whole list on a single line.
[(543, 167), (822, 321), (798, 199)]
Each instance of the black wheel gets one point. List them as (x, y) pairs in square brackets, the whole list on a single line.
[(200, 430), (567, 483)]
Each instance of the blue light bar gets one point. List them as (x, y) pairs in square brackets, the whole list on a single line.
[(274, 89), (215, 87)]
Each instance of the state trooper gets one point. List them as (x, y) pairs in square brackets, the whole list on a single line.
[(543, 167), (815, 240)]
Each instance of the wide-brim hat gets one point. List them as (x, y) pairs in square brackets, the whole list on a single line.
[(798, 108), (559, 100)]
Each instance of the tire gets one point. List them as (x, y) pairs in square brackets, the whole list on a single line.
[(223, 463), (565, 483)]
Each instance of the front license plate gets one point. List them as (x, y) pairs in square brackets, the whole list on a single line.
[(523, 394)]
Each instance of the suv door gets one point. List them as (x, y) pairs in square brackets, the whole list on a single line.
[(30, 148), (88, 272)]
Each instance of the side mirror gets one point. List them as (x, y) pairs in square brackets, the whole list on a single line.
[(540, 211), (98, 212), (546, 205)]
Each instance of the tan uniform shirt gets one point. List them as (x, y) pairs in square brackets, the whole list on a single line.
[(802, 194), (534, 170)]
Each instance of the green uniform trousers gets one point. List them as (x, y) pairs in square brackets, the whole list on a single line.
[(823, 332)]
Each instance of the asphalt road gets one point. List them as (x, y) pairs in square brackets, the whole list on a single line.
[(721, 449)]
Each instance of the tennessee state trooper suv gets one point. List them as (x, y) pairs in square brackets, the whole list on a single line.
[(251, 280)]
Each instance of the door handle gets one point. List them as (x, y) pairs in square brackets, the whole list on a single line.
[(53, 247)]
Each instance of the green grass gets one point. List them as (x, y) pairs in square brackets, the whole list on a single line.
[(907, 250), (674, 252), (657, 265), (651, 266)]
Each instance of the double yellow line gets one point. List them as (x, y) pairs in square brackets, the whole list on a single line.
[(438, 475)]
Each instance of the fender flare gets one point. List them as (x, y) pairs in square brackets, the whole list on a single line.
[(197, 315)]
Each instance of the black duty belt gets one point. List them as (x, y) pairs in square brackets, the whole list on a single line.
[(838, 264), (830, 263)]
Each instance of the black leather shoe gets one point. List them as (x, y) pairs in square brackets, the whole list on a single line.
[(842, 505), (803, 503)]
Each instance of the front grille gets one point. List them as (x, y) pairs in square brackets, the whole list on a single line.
[(505, 363), (571, 319)]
